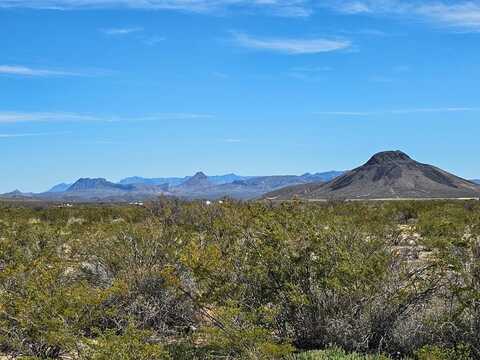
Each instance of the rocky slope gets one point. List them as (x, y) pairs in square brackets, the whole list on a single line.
[(387, 175)]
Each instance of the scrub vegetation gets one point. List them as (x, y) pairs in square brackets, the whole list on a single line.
[(231, 280)]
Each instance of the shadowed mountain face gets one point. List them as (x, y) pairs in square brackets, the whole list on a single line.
[(199, 180), (96, 185), (387, 175)]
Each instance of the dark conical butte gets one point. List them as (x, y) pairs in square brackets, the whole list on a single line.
[(387, 175)]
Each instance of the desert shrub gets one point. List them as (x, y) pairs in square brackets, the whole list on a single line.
[(131, 344), (336, 354), (240, 280), (430, 352)]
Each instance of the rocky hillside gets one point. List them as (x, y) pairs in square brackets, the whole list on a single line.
[(387, 175)]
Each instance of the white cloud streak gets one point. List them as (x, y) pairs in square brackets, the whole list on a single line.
[(290, 46), (23, 117), (464, 15), (153, 40), (400, 111), (21, 135), (28, 71), (290, 8), (309, 73), (175, 116), (20, 70), (121, 31), (31, 117)]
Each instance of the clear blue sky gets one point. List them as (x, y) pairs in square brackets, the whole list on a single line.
[(116, 88)]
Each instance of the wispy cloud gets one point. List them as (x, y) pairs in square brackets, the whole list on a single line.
[(20, 70), (400, 111), (121, 31), (311, 69), (309, 73), (28, 71), (462, 14), (146, 39), (353, 7), (232, 141), (25, 117), (153, 40), (290, 8), (20, 117), (175, 116), (21, 135), (291, 46)]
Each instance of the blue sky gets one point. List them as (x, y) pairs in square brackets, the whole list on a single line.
[(116, 88)]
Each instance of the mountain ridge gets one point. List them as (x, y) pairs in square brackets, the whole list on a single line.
[(175, 181), (385, 168), (386, 175), (96, 184), (198, 186), (59, 188)]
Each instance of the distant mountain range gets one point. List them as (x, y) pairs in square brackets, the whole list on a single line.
[(387, 175), (175, 181), (198, 186)]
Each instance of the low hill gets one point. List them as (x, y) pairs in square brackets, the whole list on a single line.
[(387, 175), (16, 194)]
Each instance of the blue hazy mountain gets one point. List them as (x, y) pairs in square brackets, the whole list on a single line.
[(322, 177), (99, 184), (198, 186), (197, 181), (16, 194), (171, 181), (59, 188), (175, 181)]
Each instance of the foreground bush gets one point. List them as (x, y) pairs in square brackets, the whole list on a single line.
[(248, 281), (335, 354)]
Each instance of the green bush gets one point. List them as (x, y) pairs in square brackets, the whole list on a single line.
[(336, 354), (241, 280)]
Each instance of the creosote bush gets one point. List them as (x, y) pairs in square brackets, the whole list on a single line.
[(178, 280)]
